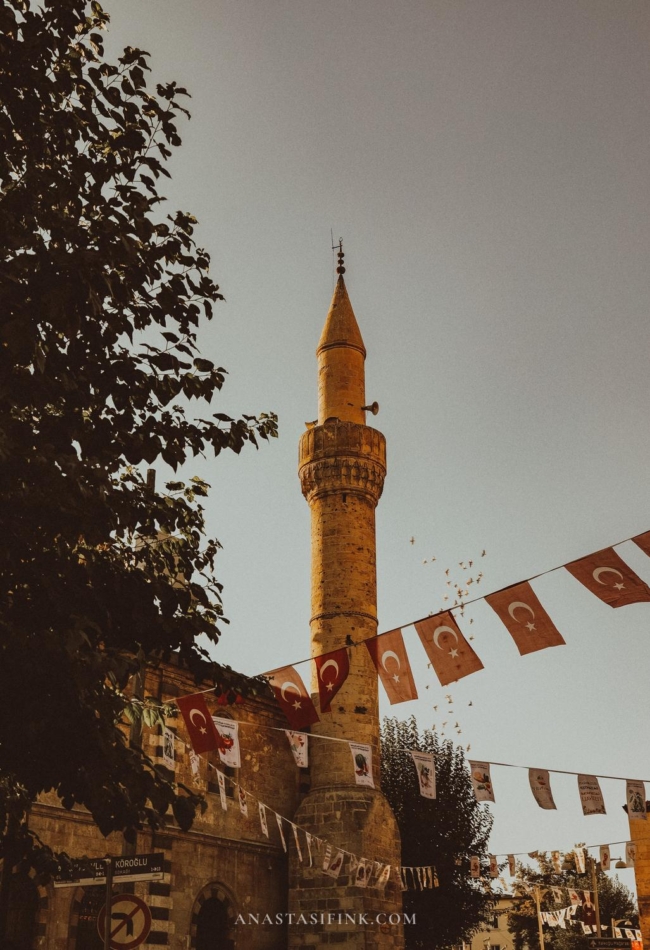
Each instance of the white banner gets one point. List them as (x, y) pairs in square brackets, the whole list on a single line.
[(630, 854), (540, 786), (494, 866), (295, 838), (363, 872), (556, 861), (591, 797), (243, 804), (382, 880), (605, 858), (228, 729), (579, 854), (512, 865), (635, 794), (222, 790), (168, 756), (362, 761), (278, 819), (426, 769), (332, 865), (475, 866), (262, 811), (481, 781), (299, 744)]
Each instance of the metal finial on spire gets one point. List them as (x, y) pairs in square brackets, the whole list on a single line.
[(340, 254)]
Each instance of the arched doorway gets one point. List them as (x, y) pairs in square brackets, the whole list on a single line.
[(213, 918), (212, 926)]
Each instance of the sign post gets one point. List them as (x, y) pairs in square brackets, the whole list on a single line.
[(107, 905)]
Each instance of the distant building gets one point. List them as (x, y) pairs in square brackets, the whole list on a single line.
[(495, 935)]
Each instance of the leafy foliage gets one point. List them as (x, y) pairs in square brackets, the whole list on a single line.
[(444, 831), (101, 295), (616, 902)]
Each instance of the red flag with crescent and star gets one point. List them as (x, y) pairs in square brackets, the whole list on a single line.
[(451, 655), (293, 698), (332, 669), (389, 656), (202, 732), (607, 576), (528, 623)]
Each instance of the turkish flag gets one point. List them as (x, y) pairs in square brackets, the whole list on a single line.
[(333, 669), (202, 731), (451, 655), (607, 576), (528, 623), (389, 656), (643, 541), (293, 698)]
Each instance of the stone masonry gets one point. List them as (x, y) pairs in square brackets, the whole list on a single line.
[(342, 464)]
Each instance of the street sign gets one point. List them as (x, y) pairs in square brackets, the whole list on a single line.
[(130, 922), (608, 943), (133, 867)]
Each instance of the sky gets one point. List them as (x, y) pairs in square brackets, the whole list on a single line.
[(486, 163)]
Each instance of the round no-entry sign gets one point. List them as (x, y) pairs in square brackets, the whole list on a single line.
[(130, 922)]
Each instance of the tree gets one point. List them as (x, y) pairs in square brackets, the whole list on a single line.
[(101, 295), (616, 902), (444, 831)]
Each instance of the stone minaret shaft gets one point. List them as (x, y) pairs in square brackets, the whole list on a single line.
[(342, 467)]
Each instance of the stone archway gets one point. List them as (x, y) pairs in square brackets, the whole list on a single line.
[(213, 919)]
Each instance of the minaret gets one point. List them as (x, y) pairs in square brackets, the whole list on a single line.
[(342, 464)]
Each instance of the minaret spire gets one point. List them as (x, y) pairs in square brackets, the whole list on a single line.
[(341, 356)]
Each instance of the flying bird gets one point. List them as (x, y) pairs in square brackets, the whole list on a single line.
[(470, 703), (436, 708), (483, 553), (468, 747), (412, 540), (447, 572)]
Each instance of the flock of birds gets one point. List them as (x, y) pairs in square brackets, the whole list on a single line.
[(461, 591)]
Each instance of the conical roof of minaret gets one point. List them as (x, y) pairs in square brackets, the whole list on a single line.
[(341, 327)]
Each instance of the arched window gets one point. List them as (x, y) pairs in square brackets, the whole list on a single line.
[(91, 904), (22, 912)]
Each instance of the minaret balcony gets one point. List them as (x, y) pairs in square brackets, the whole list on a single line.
[(342, 457)]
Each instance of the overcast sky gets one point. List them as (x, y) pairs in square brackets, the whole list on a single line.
[(486, 162)]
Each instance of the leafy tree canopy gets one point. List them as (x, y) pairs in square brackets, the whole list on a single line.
[(445, 831), (101, 294), (615, 900)]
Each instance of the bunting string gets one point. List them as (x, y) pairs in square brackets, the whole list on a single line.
[(606, 563)]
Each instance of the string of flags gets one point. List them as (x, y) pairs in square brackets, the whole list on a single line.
[(604, 573), (213, 733), (363, 872)]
